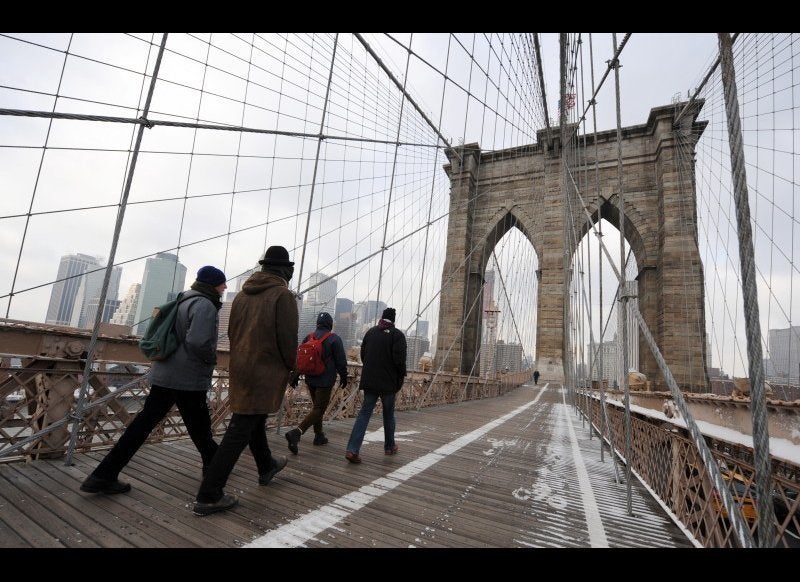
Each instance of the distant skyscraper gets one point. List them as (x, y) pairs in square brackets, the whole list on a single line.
[(508, 357), (223, 343), (488, 289), (164, 277), (307, 321), (368, 312), (126, 312), (344, 323), (611, 360), (416, 346), (65, 290), (88, 296), (422, 328), (323, 296), (108, 312), (784, 353)]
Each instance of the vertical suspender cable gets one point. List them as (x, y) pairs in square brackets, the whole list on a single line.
[(77, 416), (623, 289), (316, 162), (562, 106), (391, 178), (433, 184), (766, 513)]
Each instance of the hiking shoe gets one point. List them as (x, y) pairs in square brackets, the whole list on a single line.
[(280, 463), (352, 457), (94, 484), (293, 437), (391, 450), (225, 502), (320, 439)]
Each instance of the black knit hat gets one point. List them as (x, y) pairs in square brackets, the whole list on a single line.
[(276, 257), (211, 275), (389, 313), (324, 319)]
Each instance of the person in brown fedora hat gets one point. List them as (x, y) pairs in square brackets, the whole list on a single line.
[(262, 329)]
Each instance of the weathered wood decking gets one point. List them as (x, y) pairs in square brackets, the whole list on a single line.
[(513, 471)]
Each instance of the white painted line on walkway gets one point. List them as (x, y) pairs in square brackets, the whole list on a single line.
[(298, 531), (597, 533)]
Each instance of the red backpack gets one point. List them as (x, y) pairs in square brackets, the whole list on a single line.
[(309, 356)]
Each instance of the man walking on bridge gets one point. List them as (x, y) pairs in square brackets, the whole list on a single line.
[(263, 335), (183, 379), (321, 385), (383, 353)]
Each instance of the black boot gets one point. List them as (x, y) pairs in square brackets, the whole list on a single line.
[(293, 437), (320, 439)]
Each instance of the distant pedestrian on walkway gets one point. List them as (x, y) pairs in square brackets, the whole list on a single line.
[(383, 354), (184, 378), (320, 386), (263, 337), (536, 377)]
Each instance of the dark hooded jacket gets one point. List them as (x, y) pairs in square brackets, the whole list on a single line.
[(332, 354), (263, 336), (383, 353)]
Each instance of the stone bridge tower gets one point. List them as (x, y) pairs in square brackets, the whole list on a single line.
[(492, 192)]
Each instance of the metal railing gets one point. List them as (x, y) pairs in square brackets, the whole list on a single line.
[(666, 459)]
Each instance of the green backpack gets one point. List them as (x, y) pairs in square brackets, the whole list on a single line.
[(161, 340)]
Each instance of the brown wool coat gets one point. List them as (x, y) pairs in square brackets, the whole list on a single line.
[(263, 334)]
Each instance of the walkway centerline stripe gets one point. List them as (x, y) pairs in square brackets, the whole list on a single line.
[(298, 531)]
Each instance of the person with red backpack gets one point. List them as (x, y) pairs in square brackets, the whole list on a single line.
[(319, 358)]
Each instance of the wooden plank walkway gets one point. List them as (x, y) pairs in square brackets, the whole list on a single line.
[(514, 471)]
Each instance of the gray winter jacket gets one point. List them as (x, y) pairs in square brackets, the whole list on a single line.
[(192, 364)]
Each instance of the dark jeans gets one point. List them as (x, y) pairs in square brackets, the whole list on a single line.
[(194, 410), (243, 430), (362, 420), (320, 397)]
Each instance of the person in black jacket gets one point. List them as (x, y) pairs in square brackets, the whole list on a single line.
[(320, 387), (383, 354)]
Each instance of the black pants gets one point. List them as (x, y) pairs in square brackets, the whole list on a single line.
[(320, 397), (194, 410), (243, 430)]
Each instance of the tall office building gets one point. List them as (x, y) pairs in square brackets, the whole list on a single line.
[(508, 357), (65, 290), (164, 277), (611, 361), (488, 289), (416, 347), (367, 314), (126, 312), (323, 295), (632, 327), (111, 306), (784, 353), (422, 328), (344, 322), (307, 320), (223, 343), (88, 297)]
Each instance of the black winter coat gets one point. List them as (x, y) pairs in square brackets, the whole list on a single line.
[(383, 353)]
